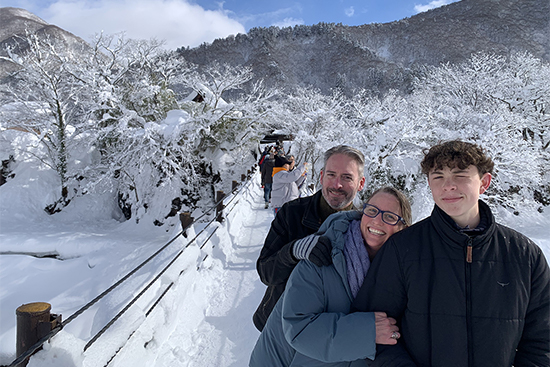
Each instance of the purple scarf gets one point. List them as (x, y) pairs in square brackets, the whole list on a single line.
[(357, 257)]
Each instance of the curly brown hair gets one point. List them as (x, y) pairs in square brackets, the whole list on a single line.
[(456, 154)]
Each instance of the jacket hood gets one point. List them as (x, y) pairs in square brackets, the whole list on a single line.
[(277, 170)]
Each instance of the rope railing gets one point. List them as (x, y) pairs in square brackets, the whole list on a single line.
[(32, 349)]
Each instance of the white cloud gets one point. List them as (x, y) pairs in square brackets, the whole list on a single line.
[(350, 11), (288, 22), (434, 4), (177, 22), (281, 17)]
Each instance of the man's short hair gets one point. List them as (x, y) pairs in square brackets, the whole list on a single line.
[(353, 153), (456, 154)]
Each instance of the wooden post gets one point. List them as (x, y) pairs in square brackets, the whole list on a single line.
[(219, 208), (234, 185), (186, 220), (243, 177), (34, 321)]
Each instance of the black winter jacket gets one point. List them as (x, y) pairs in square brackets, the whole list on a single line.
[(295, 220), (493, 310), (267, 171)]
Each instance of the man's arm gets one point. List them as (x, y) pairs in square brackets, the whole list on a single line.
[(534, 346), (289, 176), (276, 260)]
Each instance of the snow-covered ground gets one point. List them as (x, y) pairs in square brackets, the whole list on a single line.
[(203, 320)]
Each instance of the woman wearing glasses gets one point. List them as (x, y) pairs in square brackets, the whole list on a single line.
[(311, 324)]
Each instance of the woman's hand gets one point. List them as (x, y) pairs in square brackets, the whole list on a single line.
[(387, 331)]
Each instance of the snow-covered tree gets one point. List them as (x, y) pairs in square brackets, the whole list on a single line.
[(109, 118), (194, 151), (316, 121), (133, 97), (501, 104), (49, 97), (81, 105), (497, 102), (391, 136)]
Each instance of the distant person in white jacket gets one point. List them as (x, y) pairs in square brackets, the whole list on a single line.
[(286, 181)]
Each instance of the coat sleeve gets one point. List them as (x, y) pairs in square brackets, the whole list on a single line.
[(263, 172), (317, 334), (288, 176), (534, 346), (276, 262), (300, 181), (392, 356)]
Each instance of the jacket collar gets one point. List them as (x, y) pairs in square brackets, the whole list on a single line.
[(314, 215), (311, 218), (447, 228)]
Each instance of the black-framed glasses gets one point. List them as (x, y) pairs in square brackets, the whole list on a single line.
[(390, 218)]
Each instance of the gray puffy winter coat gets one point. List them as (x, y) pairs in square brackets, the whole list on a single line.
[(311, 324), (285, 185)]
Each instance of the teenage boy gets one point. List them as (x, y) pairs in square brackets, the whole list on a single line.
[(466, 291)]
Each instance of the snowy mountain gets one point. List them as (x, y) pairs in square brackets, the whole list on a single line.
[(372, 56), (16, 22), (382, 56)]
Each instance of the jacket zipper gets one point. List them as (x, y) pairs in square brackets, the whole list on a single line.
[(469, 300)]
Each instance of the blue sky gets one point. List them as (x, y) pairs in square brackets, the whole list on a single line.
[(192, 22)]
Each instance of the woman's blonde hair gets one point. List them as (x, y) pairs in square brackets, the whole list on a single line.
[(404, 204)]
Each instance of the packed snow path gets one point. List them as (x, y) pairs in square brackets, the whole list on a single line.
[(226, 335), (212, 325)]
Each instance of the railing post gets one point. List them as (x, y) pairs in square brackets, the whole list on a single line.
[(34, 321), (243, 177), (234, 185), (186, 220), (219, 208)]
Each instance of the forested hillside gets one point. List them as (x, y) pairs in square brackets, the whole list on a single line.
[(378, 57)]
